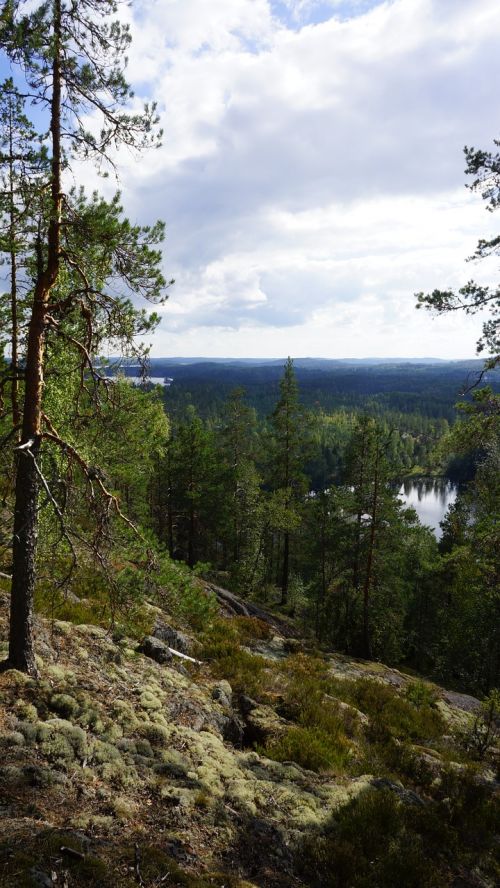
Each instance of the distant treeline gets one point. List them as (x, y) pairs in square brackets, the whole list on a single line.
[(429, 390)]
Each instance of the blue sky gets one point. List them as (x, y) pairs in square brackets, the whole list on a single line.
[(311, 175), (297, 13)]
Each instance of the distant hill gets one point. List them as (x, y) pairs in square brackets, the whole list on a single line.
[(430, 387)]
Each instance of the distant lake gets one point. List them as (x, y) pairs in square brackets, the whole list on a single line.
[(430, 498)]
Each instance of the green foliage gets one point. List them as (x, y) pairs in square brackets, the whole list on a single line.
[(393, 716), (379, 841), (244, 671), (420, 694), (371, 845), (313, 748), (485, 729), (251, 629)]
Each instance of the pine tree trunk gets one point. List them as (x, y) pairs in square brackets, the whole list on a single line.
[(21, 649), (24, 545), (286, 569)]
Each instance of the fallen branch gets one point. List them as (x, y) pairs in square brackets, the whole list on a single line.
[(184, 656)]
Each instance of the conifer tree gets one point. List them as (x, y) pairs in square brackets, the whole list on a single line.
[(71, 56), (287, 459)]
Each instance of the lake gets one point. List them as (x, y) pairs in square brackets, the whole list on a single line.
[(430, 497)]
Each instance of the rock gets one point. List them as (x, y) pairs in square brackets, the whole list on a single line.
[(406, 795), (262, 724), (462, 701), (172, 637), (274, 649), (233, 730), (155, 649), (223, 693), (41, 879), (246, 704)]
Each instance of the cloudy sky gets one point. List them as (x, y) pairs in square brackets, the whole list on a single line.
[(312, 175)]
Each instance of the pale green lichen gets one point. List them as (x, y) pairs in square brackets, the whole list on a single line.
[(12, 738), (157, 734), (62, 741), (61, 674), (105, 752), (64, 704), (25, 711), (149, 700)]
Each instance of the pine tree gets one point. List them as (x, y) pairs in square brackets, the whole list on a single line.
[(288, 454), (71, 56)]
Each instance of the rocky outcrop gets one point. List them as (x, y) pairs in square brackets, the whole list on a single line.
[(155, 649)]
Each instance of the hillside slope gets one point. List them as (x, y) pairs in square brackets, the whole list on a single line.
[(264, 763)]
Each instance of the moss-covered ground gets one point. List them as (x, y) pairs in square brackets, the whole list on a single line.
[(302, 769)]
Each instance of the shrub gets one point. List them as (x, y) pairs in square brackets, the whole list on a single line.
[(309, 747), (393, 716), (252, 629), (369, 845), (420, 694), (243, 670)]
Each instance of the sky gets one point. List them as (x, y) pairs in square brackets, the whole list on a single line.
[(311, 175)]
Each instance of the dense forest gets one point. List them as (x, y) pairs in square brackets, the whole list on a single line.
[(277, 484)]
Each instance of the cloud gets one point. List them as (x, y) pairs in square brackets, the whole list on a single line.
[(312, 165)]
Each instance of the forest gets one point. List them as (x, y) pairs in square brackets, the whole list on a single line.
[(271, 485)]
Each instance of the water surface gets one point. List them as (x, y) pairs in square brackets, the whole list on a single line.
[(430, 497)]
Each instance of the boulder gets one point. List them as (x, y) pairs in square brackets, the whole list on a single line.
[(222, 692), (262, 723), (155, 649), (172, 637)]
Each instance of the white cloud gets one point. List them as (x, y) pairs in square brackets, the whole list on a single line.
[(311, 175)]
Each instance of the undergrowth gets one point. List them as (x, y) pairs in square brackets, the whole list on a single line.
[(379, 842)]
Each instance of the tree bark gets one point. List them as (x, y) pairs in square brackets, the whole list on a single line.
[(24, 545), (21, 644), (286, 569)]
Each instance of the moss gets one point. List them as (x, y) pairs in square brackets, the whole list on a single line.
[(89, 717), (29, 731), (58, 749), (12, 738), (127, 744), (124, 714), (119, 773), (144, 748), (149, 700), (105, 752), (61, 741), (65, 705), (61, 674), (26, 711), (123, 808), (156, 734)]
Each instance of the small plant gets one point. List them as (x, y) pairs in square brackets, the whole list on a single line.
[(420, 694), (393, 716), (243, 670), (252, 629), (485, 730)]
